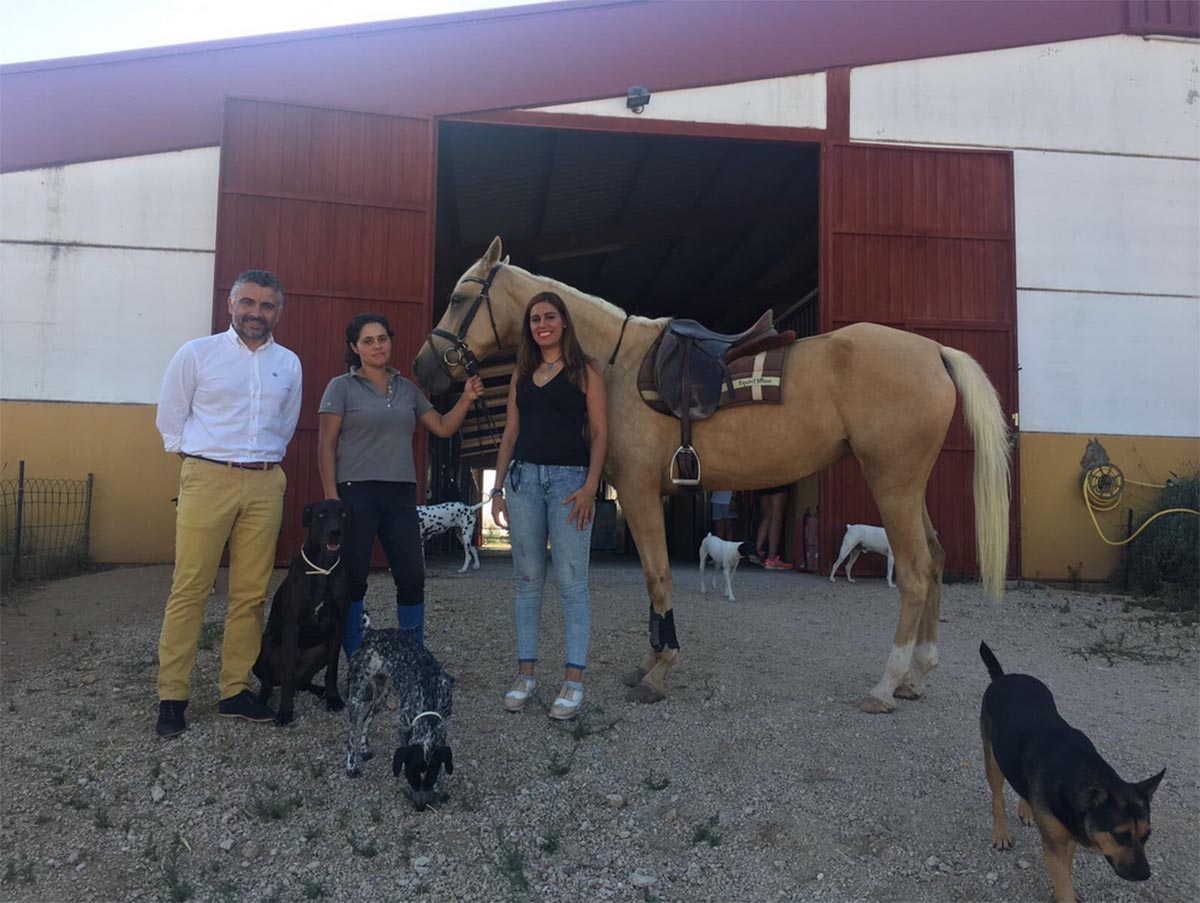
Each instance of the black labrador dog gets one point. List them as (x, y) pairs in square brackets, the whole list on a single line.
[(304, 629)]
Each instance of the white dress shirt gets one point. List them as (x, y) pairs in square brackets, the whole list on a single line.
[(222, 401)]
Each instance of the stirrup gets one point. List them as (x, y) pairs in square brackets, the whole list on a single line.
[(676, 468)]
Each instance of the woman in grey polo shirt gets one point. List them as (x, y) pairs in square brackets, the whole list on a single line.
[(367, 419)]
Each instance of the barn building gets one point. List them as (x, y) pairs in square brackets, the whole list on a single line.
[(1020, 181)]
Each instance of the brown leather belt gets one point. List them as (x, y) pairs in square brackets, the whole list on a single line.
[(241, 465)]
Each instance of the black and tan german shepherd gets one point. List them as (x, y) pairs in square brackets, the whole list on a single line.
[(1066, 788)]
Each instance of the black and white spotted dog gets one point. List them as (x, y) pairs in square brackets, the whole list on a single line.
[(391, 661), (439, 519)]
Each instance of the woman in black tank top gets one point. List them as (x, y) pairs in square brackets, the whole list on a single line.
[(549, 464)]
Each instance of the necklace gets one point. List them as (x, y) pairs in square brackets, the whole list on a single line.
[(549, 365)]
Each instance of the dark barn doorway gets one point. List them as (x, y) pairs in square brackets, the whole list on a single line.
[(715, 229)]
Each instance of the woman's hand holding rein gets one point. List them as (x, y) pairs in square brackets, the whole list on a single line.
[(446, 425)]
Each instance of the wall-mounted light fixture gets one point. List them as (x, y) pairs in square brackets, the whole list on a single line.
[(636, 98)]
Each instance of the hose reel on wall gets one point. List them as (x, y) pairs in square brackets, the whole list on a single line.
[(1102, 483)]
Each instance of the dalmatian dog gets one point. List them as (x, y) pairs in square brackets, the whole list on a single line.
[(863, 538), (726, 555), (439, 519)]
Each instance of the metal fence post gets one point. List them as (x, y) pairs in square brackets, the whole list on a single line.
[(16, 568), (87, 520)]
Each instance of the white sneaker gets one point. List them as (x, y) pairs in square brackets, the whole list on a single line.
[(568, 704), (523, 687)]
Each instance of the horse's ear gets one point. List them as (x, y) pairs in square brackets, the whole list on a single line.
[(492, 256), (505, 260)]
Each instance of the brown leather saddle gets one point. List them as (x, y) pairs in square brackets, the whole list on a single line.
[(691, 372)]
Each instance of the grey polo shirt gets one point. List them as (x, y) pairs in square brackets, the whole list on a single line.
[(376, 438)]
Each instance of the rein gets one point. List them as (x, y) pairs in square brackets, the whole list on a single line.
[(612, 359)]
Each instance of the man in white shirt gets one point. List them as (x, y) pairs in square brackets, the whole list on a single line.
[(229, 406)]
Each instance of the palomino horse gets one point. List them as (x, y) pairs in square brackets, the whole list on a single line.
[(880, 394)]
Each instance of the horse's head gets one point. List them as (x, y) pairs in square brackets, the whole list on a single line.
[(474, 326)]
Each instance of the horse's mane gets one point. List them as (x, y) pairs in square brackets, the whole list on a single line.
[(567, 291)]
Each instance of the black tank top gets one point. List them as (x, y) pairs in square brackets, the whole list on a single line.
[(553, 419)]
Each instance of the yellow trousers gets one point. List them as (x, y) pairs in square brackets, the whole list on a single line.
[(219, 504)]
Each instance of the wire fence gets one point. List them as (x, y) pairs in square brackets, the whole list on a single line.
[(44, 527)]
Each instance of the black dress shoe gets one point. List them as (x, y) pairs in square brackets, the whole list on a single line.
[(170, 718), (245, 705)]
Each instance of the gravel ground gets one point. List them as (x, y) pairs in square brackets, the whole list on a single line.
[(756, 780)]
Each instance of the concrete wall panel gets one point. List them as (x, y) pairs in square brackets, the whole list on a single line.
[(1117, 94), (797, 101), (1100, 223), (1100, 364), (155, 201), (97, 324)]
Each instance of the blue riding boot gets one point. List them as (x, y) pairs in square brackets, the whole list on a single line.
[(412, 620), (352, 632)]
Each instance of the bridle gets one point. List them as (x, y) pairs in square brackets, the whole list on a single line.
[(459, 353)]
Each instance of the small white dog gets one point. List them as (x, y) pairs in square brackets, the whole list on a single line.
[(728, 555), (862, 538)]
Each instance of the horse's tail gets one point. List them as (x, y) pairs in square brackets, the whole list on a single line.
[(985, 418)]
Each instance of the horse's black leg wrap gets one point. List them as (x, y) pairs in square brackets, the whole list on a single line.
[(662, 630)]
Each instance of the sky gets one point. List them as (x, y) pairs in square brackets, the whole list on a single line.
[(50, 29)]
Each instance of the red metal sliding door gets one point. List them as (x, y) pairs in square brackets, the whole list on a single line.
[(922, 240), (340, 205)]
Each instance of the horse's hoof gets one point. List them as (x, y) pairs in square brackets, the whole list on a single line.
[(873, 705), (907, 693), (634, 677), (645, 694)]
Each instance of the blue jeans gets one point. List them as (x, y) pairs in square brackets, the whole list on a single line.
[(533, 501)]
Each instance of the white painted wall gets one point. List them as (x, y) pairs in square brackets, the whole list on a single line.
[(796, 101), (1117, 94), (97, 324), (1109, 364), (153, 201), (1105, 136), (1091, 222), (106, 268)]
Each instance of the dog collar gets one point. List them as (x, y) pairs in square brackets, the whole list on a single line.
[(437, 715), (319, 570)]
